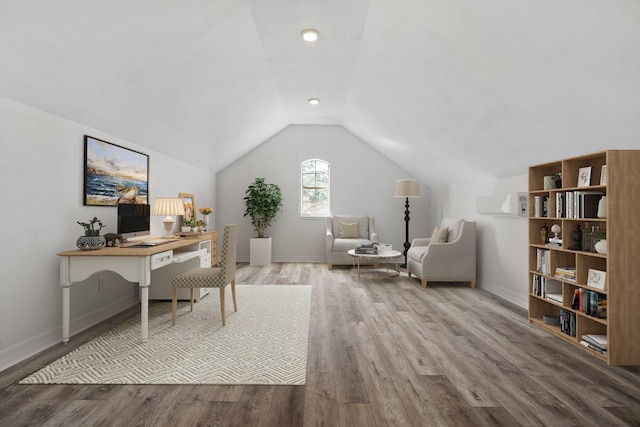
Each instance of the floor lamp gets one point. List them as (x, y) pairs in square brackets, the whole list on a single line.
[(406, 188)]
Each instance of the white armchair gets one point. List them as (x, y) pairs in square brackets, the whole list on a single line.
[(452, 259), (346, 232)]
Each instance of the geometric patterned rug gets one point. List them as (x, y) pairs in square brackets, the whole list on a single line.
[(264, 342)]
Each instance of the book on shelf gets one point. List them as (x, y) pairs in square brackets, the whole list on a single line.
[(596, 339), (593, 347), (585, 203), (541, 206), (555, 241), (566, 273), (592, 303), (568, 322), (559, 206), (554, 297), (552, 287), (543, 261)]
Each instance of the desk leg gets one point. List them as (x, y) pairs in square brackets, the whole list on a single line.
[(66, 313), (144, 280), (144, 313), (66, 297)]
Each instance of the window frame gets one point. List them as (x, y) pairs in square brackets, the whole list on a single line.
[(323, 214)]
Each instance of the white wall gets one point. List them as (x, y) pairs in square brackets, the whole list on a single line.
[(502, 240), (42, 172), (362, 182)]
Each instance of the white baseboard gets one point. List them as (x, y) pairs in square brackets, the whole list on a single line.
[(34, 345), (521, 300)]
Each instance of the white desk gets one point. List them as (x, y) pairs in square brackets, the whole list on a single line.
[(132, 263)]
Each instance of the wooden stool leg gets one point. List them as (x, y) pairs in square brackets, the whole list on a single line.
[(174, 306), (233, 294), (191, 299), (222, 305)]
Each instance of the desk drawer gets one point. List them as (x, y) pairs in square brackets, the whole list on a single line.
[(161, 259)]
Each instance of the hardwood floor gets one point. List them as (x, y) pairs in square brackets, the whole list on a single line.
[(382, 352)]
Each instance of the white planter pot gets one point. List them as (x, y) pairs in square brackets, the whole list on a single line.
[(260, 251)]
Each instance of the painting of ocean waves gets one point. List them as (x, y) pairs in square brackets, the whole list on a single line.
[(101, 190), (114, 174)]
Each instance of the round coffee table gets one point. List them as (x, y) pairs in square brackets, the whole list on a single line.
[(385, 256)]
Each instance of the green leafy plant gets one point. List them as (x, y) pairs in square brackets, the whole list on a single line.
[(189, 221), (263, 202), (90, 227)]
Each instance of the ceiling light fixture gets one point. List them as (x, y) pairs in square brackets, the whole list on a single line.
[(314, 101), (310, 35)]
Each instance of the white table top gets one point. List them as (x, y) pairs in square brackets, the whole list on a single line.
[(382, 255)]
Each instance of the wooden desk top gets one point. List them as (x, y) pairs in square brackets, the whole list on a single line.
[(129, 249)]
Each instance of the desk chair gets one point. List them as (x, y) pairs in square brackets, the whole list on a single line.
[(215, 277)]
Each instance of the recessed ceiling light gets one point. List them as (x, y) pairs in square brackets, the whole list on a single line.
[(310, 35), (314, 101)]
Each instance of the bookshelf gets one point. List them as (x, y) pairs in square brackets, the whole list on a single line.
[(578, 264)]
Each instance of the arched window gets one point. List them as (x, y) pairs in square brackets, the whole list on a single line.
[(314, 188)]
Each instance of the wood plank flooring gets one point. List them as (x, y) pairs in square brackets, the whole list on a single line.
[(382, 352)]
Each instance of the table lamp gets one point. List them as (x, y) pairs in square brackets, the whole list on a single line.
[(406, 188), (169, 206)]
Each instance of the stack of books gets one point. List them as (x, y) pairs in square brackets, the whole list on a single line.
[(555, 241), (566, 273), (367, 249), (595, 342), (568, 322)]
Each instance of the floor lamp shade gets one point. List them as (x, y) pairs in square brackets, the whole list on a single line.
[(406, 188), (169, 206)]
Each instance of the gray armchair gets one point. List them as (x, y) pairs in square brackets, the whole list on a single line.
[(453, 260), (346, 232)]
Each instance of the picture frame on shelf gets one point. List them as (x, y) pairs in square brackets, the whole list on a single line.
[(114, 174), (603, 175), (189, 202), (596, 279), (584, 176)]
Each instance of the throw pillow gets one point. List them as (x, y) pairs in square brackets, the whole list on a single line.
[(439, 235), (349, 230)]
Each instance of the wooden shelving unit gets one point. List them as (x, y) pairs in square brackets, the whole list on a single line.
[(621, 264)]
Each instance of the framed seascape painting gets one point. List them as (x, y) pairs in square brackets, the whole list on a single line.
[(114, 174)]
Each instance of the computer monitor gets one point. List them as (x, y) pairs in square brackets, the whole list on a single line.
[(134, 220)]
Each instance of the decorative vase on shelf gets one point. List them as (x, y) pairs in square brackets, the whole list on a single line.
[(205, 219), (91, 243), (601, 246), (602, 207)]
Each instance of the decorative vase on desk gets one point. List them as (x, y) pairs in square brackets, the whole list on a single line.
[(91, 243)]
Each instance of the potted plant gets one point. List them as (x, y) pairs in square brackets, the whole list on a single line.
[(263, 203), (92, 239), (553, 181)]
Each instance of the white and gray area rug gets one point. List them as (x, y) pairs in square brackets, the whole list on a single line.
[(264, 342)]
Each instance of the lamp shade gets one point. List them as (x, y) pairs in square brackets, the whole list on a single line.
[(407, 188), (168, 206)]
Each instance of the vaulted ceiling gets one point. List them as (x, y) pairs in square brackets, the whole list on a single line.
[(438, 86)]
